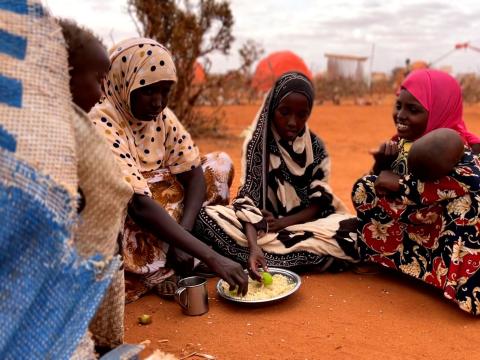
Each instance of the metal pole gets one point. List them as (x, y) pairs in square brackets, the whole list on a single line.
[(372, 55)]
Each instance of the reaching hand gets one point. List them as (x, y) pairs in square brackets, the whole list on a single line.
[(384, 156), (231, 272), (274, 224), (387, 181), (256, 260)]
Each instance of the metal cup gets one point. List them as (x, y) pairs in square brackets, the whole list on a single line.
[(192, 295)]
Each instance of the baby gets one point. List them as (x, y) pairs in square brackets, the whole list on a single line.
[(435, 154)]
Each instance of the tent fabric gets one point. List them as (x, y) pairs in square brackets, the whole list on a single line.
[(198, 74), (274, 65)]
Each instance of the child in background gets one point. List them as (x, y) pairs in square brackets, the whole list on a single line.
[(104, 197), (88, 63)]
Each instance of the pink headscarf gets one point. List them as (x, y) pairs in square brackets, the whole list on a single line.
[(441, 96)]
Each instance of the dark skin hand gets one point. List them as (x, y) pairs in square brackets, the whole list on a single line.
[(384, 156), (193, 183), (387, 182), (476, 148), (149, 215), (256, 258), (276, 224)]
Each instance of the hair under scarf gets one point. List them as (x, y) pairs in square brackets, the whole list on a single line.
[(441, 95), (288, 83)]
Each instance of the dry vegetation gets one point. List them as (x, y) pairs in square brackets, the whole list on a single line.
[(195, 30)]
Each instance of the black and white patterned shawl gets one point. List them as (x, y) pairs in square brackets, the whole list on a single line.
[(261, 144)]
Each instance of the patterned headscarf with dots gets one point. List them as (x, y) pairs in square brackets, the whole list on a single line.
[(142, 146), (136, 63)]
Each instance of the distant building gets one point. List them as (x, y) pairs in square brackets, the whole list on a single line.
[(346, 67)]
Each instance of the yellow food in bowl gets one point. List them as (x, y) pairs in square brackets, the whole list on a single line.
[(258, 291)]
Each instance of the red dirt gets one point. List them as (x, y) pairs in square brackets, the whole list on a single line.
[(332, 316)]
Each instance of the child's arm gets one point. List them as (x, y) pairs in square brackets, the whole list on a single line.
[(427, 193), (310, 213), (475, 148), (409, 190), (387, 182), (464, 179), (152, 217), (193, 184), (256, 257), (253, 223)]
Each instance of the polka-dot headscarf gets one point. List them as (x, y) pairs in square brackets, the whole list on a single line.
[(136, 63), (141, 146)]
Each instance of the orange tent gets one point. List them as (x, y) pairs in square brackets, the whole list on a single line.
[(274, 65), (198, 74)]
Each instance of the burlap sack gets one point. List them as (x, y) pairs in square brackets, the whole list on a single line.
[(106, 194), (48, 294), (106, 197), (107, 326), (36, 80), (85, 349)]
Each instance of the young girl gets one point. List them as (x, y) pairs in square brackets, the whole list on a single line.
[(162, 165), (285, 213), (426, 229)]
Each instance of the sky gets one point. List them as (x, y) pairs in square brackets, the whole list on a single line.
[(390, 30)]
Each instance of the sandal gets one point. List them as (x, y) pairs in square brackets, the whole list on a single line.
[(167, 288)]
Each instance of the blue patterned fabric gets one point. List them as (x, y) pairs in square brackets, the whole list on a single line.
[(48, 293)]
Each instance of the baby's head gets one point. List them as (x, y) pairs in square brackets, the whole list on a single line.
[(435, 154), (88, 63)]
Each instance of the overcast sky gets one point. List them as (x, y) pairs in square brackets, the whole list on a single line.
[(397, 28)]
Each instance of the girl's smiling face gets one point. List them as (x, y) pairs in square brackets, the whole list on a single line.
[(409, 116), (291, 115)]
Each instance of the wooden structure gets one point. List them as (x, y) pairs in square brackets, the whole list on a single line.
[(346, 66)]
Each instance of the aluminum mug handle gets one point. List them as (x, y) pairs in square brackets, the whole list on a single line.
[(178, 297)]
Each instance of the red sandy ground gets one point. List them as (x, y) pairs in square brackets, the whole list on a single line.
[(332, 316)]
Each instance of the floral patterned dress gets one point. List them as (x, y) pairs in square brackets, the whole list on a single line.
[(428, 230)]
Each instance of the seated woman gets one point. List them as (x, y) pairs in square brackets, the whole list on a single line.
[(284, 199), (162, 165), (425, 224)]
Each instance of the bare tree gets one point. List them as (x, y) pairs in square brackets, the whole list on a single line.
[(250, 53), (191, 31)]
